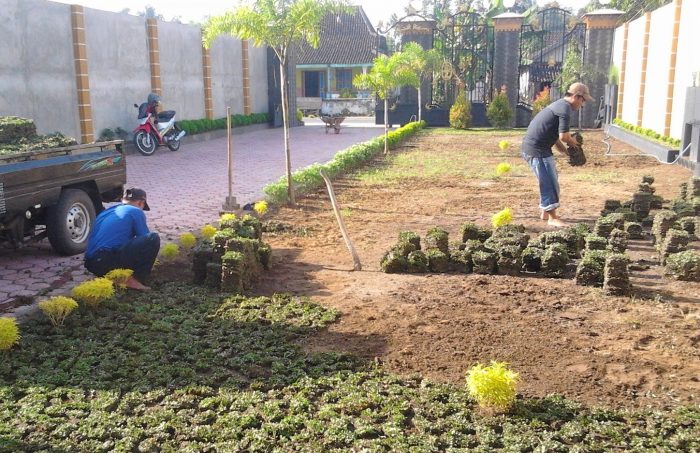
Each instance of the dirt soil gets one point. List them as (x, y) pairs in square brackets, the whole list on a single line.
[(562, 338)]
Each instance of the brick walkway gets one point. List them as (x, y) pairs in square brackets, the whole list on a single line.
[(186, 190)]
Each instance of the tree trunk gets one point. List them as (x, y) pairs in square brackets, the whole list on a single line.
[(386, 125), (420, 105), (285, 126)]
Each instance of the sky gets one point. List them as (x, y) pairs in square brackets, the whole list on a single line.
[(189, 10)]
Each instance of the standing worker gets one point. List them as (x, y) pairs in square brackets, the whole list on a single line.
[(121, 240), (550, 128)]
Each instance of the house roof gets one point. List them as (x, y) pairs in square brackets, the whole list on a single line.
[(345, 39)]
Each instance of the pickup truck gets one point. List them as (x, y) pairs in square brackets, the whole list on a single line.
[(57, 193)]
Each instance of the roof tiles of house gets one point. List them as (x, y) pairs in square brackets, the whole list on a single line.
[(345, 39)]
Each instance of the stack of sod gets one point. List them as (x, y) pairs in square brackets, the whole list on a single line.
[(617, 242), (589, 271), (617, 280), (634, 230), (675, 241), (663, 221), (684, 266), (554, 261)]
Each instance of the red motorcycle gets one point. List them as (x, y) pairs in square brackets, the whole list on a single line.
[(156, 129)]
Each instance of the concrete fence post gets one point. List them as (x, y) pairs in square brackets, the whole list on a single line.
[(506, 66)]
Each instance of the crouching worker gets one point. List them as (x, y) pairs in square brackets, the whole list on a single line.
[(120, 239)]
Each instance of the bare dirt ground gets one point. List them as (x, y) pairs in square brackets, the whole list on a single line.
[(562, 338)]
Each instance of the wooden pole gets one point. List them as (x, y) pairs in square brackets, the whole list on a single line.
[(357, 265), (230, 203)]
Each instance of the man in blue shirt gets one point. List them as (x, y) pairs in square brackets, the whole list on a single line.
[(121, 239), (550, 128)]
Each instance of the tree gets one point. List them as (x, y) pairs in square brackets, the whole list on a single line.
[(424, 63), (632, 8), (386, 76), (278, 24), (149, 12)]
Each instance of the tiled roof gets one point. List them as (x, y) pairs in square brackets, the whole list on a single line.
[(345, 39)]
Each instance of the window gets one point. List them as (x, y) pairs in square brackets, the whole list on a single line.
[(343, 79)]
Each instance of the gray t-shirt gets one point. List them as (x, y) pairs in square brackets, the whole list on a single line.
[(543, 131)]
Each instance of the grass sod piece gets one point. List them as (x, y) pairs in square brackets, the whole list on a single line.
[(611, 206), (393, 262), (213, 278), (634, 230), (461, 261), (617, 242), (470, 231), (265, 255), (417, 262), (604, 225), (532, 259), (13, 129), (555, 260), (594, 242), (616, 280), (590, 270), (437, 238), (646, 188), (641, 204), (683, 266), (410, 236), (689, 224), (648, 179), (485, 262), (233, 272), (509, 260), (437, 260), (663, 221), (675, 241), (202, 254)]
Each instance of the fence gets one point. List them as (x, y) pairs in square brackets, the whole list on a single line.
[(79, 70)]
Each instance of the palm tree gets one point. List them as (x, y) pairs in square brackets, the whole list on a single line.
[(278, 24), (423, 63)]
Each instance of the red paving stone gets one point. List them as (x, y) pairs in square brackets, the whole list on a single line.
[(186, 190)]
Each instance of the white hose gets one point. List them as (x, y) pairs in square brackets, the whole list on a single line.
[(608, 153)]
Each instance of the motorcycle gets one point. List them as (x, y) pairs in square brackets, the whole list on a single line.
[(150, 134)]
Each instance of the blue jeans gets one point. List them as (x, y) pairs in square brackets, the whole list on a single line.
[(138, 254), (545, 169)]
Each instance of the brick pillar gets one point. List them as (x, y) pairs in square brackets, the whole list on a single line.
[(206, 75), (672, 67), (82, 80), (506, 65), (645, 59), (247, 109), (154, 55), (600, 34), (623, 71)]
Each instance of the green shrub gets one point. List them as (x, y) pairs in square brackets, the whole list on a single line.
[(499, 112), (106, 135), (460, 113), (300, 115), (649, 133), (193, 127)]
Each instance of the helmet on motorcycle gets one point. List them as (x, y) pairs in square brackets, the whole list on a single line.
[(153, 98)]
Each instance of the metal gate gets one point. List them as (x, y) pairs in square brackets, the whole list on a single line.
[(544, 45)]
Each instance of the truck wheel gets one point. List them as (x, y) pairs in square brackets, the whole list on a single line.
[(70, 222), (145, 143)]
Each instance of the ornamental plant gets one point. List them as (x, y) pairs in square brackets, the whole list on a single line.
[(95, 291), (170, 251), (188, 240), (501, 218), (260, 208), (9, 333), (504, 145), (119, 277), (460, 113), (541, 101), (58, 308), (502, 168), (208, 231), (499, 112), (493, 387)]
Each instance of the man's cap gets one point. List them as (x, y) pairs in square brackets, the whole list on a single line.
[(136, 194), (579, 89)]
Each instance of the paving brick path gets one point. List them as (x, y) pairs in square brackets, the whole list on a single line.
[(186, 190)]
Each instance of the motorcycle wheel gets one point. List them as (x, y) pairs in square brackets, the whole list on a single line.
[(174, 145), (145, 143)]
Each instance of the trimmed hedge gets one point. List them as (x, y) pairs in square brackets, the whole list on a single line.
[(308, 179), (206, 125), (648, 133)]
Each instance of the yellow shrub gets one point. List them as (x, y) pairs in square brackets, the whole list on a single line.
[(227, 218), (95, 291), (188, 240), (170, 251), (502, 168), (260, 208), (504, 145), (501, 218), (494, 386), (119, 277), (9, 333), (58, 308), (208, 231)]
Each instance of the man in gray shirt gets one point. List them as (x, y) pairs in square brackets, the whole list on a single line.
[(550, 128)]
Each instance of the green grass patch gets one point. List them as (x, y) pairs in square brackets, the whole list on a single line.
[(486, 131), (604, 177), (183, 369)]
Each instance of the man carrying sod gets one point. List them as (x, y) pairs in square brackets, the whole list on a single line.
[(550, 128)]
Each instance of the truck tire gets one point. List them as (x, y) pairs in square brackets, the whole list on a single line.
[(70, 221)]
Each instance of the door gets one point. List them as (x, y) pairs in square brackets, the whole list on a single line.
[(311, 84)]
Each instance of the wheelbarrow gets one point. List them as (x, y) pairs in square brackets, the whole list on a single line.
[(333, 122)]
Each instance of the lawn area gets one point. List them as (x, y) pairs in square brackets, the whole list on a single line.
[(319, 358)]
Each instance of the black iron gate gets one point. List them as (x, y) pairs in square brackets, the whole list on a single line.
[(545, 44)]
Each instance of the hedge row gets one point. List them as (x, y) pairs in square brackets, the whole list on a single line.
[(206, 125), (309, 179), (648, 133)]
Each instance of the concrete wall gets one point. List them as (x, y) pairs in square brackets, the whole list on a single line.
[(119, 74), (37, 77), (688, 61), (227, 76), (38, 80)]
